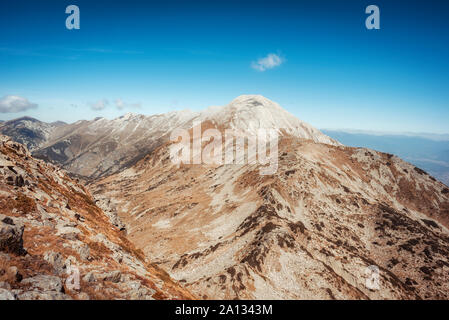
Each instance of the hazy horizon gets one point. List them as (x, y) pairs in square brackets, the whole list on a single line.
[(426, 135)]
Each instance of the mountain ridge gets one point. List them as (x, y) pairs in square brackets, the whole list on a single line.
[(99, 147), (326, 215), (315, 228), (428, 153), (51, 229)]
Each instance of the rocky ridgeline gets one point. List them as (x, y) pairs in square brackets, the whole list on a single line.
[(314, 230), (56, 243)]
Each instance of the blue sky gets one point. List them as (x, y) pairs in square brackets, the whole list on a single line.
[(159, 56)]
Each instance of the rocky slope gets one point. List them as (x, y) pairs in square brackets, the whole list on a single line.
[(309, 231), (312, 230), (51, 229)]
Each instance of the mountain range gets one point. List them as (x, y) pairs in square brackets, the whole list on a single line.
[(312, 230), (101, 147), (427, 151)]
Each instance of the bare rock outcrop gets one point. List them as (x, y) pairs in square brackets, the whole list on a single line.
[(316, 229), (11, 236), (52, 234)]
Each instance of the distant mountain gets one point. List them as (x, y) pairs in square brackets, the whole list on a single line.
[(101, 147), (29, 131), (430, 136), (429, 152)]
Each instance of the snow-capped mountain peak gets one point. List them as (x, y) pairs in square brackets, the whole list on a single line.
[(248, 113), (253, 101)]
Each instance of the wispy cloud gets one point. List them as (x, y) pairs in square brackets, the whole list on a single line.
[(64, 53), (105, 50), (269, 62), (120, 105), (13, 104), (99, 105), (26, 52)]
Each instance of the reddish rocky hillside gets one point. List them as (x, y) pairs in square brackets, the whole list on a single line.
[(310, 231), (50, 225), (317, 228)]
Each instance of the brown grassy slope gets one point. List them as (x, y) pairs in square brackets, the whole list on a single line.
[(61, 218)]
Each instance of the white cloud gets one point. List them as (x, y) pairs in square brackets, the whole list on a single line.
[(269, 62), (99, 105), (120, 104), (12, 104)]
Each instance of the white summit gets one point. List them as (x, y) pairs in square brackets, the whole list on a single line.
[(248, 113)]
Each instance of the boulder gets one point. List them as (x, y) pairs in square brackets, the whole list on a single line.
[(6, 295), (83, 296), (56, 260), (69, 233), (20, 182), (6, 163), (5, 285), (43, 295), (113, 276), (11, 235), (10, 180), (14, 273), (84, 252), (44, 283), (141, 294), (89, 277)]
